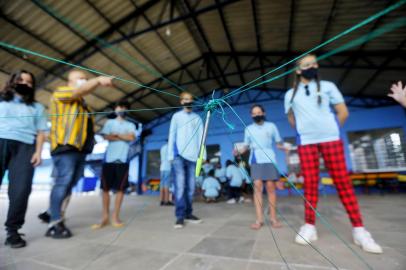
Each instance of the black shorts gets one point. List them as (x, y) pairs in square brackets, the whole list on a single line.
[(114, 176)]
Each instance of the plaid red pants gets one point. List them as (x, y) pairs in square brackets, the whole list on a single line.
[(334, 160)]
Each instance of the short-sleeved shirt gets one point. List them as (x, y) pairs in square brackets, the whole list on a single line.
[(315, 123), (165, 163), (117, 151), (235, 175), (21, 122), (220, 173), (207, 167), (211, 187), (260, 139)]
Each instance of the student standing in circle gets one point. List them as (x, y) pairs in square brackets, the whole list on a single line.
[(308, 108), (259, 137)]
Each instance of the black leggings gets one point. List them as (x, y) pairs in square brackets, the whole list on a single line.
[(234, 192), (15, 157)]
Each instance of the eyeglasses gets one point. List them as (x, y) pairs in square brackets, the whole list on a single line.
[(307, 90)]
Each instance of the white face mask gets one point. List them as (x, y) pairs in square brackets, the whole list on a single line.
[(80, 82)]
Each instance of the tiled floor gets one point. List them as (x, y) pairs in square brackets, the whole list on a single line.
[(223, 241)]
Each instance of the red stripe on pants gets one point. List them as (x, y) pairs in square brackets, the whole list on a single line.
[(334, 160)]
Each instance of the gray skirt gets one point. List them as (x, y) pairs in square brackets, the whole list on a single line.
[(264, 171)]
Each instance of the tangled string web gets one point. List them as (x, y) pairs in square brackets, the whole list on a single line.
[(219, 107)]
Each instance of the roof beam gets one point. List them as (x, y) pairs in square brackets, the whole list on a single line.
[(82, 53), (169, 47), (381, 68), (202, 35), (258, 36), (180, 18), (230, 41), (129, 41), (361, 48)]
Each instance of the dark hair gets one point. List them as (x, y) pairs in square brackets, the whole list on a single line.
[(211, 173), (228, 163), (7, 93), (123, 103), (257, 106), (297, 80)]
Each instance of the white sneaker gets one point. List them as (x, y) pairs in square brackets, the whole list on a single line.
[(241, 200), (231, 201), (364, 239), (306, 235)]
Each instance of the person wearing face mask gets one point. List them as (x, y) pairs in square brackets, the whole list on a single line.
[(119, 132), (72, 138), (259, 137), (22, 134), (308, 107), (185, 134)]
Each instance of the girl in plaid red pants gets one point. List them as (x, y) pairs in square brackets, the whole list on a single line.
[(308, 106)]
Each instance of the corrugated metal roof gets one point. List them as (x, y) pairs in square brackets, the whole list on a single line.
[(65, 30)]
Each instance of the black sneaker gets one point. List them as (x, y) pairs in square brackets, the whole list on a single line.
[(193, 219), (169, 204), (14, 240), (180, 223), (58, 231), (45, 217), (162, 203)]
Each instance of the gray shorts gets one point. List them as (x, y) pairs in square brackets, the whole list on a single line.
[(264, 171)]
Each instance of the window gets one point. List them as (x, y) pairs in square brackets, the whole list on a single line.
[(293, 160), (378, 150)]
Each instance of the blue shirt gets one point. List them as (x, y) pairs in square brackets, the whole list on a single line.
[(211, 187), (165, 164), (207, 167), (185, 134), (315, 123), (260, 140), (118, 150), (21, 122), (235, 175), (220, 173)]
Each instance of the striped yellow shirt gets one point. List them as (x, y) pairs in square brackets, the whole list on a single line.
[(69, 119)]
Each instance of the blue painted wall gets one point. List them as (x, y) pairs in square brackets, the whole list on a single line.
[(219, 133)]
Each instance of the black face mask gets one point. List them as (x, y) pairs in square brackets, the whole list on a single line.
[(258, 118), (188, 105), (122, 114), (310, 73), (24, 90)]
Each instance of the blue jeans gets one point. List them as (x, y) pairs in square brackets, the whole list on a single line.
[(184, 186), (69, 169)]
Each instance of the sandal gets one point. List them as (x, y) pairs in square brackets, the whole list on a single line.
[(276, 224), (117, 225), (100, 225), (257, 225)]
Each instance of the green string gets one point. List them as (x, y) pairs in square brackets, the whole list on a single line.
[(251, 183), (16, 48), (325, 222), (93, 113), (346, 32), (106, 44), (363, 39)]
